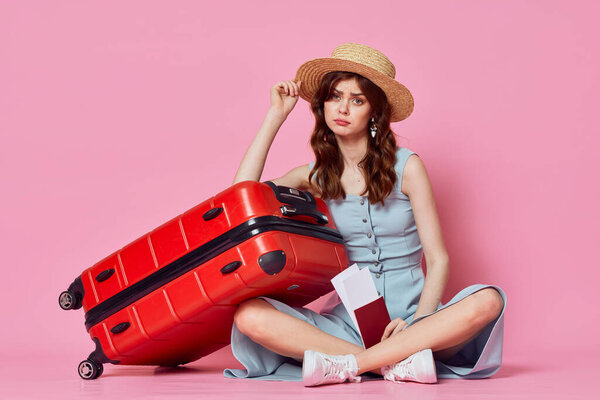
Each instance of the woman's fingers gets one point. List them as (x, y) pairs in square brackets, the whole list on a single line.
[(282, 87), (394, 327), (400, 327), (389, 329), (295, 87), (284, 96), (290, 88)]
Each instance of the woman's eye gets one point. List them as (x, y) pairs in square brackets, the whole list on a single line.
[(359, 101)]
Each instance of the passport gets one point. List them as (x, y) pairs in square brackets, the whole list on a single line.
[(372, 319), (356, 290)]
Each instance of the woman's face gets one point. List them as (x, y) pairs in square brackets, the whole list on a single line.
[(347, 111)]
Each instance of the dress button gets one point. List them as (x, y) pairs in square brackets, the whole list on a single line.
[(376, 263), (378, 294), (373, 251), (365, 220), (377, 275), (369, 235), (362, 202)]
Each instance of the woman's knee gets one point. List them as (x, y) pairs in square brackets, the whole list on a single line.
[(488, 305), (251, 317)]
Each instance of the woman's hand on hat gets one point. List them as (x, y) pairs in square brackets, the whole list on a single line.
[(395, 326), (284, 96)]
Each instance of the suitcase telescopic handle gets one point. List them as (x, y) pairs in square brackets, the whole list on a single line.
[(292, 211)]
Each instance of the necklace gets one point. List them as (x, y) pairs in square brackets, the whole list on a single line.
[(356, 175), (360, 176)]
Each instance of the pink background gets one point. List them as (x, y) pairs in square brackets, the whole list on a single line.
[(117, 116)]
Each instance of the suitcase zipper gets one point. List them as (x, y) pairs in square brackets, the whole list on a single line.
[(200, 255)]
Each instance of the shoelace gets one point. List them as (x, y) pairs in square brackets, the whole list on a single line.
[(338, 368), (400, 370)]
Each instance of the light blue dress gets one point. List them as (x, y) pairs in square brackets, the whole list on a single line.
[(385, 240)]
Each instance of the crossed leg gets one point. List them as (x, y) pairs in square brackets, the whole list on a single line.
[(444, 332)]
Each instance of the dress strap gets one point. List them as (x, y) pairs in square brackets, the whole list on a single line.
[(402, 154)]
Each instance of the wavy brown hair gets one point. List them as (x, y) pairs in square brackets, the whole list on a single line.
[(378, 162)]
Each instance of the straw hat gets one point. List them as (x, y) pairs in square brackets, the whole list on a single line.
[(365, 61)]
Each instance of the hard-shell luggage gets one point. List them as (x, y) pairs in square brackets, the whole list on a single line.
[(168, 298)]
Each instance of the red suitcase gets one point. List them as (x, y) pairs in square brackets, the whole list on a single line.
[(168, 298)]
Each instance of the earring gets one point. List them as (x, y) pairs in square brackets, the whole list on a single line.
[(373, 127)]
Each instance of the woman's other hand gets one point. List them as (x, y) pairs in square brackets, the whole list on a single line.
[(394, 327), (284, 96)]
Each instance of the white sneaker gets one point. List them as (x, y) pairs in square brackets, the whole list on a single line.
[(419, 367), (321, 369)]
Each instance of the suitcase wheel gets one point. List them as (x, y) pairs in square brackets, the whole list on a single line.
[(89, 369), (69, 300), (66, 300)]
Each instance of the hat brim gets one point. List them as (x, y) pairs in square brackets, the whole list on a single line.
[(311, 74)]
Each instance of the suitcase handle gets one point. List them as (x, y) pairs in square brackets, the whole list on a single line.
[(292, 211), (104, 275), (292, 196)]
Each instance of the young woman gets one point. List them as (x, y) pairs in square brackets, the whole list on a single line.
[(382, 203)]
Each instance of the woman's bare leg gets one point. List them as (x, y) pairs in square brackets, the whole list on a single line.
[(284, 334), (446, 329), (287, 335), (445, 332)]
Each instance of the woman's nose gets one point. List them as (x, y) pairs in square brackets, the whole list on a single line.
[(344, 107)]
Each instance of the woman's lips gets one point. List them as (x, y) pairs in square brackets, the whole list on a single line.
[(341, 122)]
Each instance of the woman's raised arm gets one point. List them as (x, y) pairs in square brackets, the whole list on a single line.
[(284, 96)]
